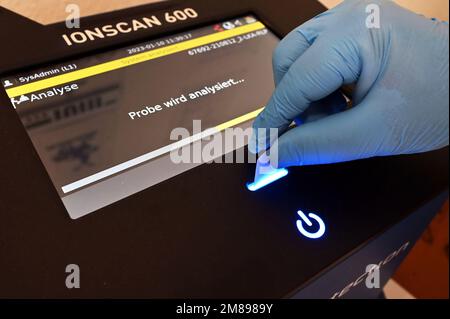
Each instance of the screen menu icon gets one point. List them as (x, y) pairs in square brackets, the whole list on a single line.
[(7, 83)]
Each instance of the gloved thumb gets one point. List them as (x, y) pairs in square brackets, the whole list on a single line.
[(355, 134)]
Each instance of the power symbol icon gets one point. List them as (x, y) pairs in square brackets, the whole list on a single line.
[(311, 226)]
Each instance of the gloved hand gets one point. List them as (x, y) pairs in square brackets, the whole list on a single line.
[(401, 98)]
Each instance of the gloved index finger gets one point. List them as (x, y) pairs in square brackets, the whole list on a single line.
[(298, 41), (319, 72), (287, 52)]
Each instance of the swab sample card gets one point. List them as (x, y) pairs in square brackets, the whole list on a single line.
[(104, 125)]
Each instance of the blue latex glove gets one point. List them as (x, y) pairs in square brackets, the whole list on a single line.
[(401, 99)]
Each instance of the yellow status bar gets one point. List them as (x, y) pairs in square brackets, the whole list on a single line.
[(238, 121), (131, 60)]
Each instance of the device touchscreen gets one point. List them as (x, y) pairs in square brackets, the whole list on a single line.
[(104, 126)]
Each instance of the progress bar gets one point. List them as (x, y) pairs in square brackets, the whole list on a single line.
[(160, 152), (131, 60)]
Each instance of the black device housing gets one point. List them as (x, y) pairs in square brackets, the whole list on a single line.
[(202, 234)]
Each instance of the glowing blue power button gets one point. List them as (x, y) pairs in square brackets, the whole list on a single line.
[(307, 228)]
